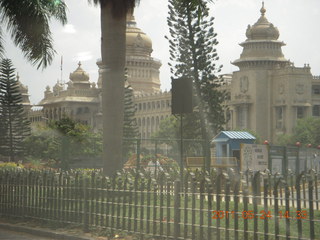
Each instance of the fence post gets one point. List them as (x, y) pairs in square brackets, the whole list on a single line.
[(298, 161), (155, 148), (86, 206), (285, 162), (256, 201), (138, 152), (265, 204), (298, 190), (276, 208), (177, 209), (311, 210)]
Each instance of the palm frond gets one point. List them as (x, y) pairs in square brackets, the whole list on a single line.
[(1, 44), (27, 22)]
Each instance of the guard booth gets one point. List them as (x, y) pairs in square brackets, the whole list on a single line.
[(227, 146)]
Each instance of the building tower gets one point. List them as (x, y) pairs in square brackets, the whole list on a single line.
[(263, 91), (142, 69)]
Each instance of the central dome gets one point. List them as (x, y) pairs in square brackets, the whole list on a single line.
[(137, 42), (262, 29)]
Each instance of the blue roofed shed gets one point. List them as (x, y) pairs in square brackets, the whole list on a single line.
[(228, 143)]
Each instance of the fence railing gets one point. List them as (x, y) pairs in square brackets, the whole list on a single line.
[(215, 205)]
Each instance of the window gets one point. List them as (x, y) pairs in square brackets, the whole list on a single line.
[(300, 112), (279, 117), (241, 117), (316, 111), (316, 89)]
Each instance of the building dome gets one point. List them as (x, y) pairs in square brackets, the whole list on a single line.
[(262, 29), (58, 87), (137, 42), (79, 75)]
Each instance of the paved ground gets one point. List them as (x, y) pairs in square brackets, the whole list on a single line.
[(10, 235)]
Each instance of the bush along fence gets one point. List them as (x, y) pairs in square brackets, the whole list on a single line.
[(215, 205)]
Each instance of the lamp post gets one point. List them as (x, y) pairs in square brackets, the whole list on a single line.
[(309, 156), (298, 144)]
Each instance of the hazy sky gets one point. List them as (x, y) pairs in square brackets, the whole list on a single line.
[(297, 21)]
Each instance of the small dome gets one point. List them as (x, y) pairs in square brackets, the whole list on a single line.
[(262, 29), (137, 42), (58, 87), (79, 75)]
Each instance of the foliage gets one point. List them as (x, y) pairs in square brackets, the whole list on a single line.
[(113, 19), (170, 133), (28, 24), (192, 55), (15, 126), (168, 129), (307, 131), (63, 141), (130, 127)]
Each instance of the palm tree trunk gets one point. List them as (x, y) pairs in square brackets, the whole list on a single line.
[(113, 42)]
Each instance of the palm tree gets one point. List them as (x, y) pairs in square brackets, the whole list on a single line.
[(113, 54), (27, 22)]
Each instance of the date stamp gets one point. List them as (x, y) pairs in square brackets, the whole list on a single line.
[(249, 214)]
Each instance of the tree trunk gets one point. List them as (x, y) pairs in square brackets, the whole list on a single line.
[(113, 47)]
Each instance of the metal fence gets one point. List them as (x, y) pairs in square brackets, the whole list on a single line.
[(215, 205)]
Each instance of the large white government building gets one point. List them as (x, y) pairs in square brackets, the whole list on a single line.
[(268, 94)]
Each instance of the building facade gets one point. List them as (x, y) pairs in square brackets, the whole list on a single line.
[(268, 94), (81, 99)]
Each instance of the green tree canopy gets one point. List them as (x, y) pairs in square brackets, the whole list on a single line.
[(193, 55), (15, 126), (130, 127), (63, 141), (306, 132)]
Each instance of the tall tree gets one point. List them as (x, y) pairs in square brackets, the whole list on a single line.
[(13, 118), (130, 127), (113, 54), (193, 55), (113, 48), (27, 22)]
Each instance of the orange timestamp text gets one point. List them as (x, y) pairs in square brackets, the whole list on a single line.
[(249, 214)]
